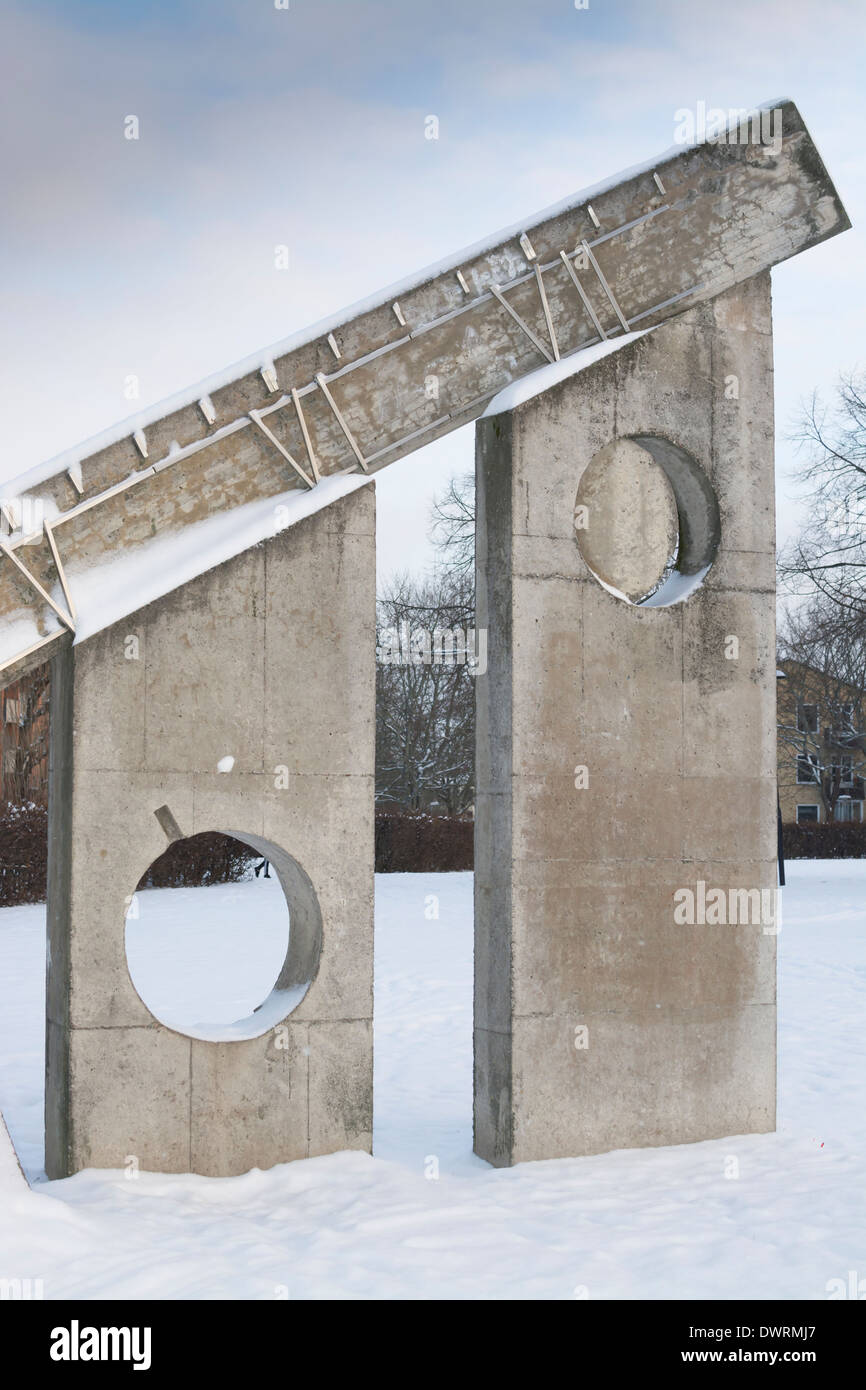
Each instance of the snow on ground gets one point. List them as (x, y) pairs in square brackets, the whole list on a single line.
[(183, 959), (182, 953), (657, 1223)]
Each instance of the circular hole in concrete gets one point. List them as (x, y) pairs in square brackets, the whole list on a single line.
[(223, 936), (646, 520)]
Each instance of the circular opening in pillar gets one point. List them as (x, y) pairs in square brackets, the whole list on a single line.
[(646, 520), (223, 936)]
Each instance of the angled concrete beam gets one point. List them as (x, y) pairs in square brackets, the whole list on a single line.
[(376, 385)]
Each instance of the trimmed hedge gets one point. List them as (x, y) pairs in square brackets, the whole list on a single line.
[(838, 840), (192, 863), (406, 842), (200, 860), (23, 854), (412, 842)]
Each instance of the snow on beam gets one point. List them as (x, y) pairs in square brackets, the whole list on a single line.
[(676, 231)]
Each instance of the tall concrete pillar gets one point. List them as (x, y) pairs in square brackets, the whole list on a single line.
[(626, 773), (268, 659)]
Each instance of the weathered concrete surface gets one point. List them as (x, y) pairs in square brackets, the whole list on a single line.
[(728, 211), (626, 519), (269, 658), (575, 925)]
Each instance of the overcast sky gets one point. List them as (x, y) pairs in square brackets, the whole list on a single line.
[(305, 127)]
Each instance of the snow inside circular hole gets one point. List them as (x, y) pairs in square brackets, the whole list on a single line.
[(646, 521), (231, 958)]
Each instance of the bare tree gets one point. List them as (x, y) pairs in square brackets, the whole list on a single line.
[(452, 528), (427, 652), (429, 656), (829, 558)]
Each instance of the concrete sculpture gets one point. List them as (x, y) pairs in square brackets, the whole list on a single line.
[(625, 569)]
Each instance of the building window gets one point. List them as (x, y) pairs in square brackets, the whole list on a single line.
[(848, 810), (843, 767), (843, 726), (807, 719), (807, 767), (806, 814)]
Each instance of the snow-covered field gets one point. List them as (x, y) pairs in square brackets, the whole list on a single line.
[(657, 1223)]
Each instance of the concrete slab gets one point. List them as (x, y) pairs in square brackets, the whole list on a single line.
[(268, 658), (625, 761)]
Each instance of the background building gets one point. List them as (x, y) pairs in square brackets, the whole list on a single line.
[(821, 746), (24, 740)]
